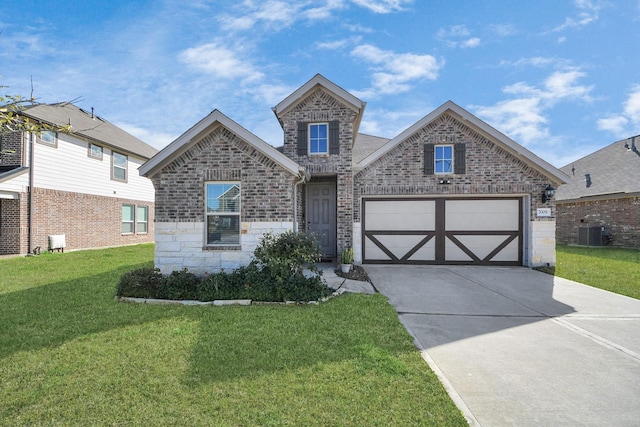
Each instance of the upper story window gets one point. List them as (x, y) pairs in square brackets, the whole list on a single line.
[(223, 213), (95, 151), (444, 159), (48, 137), (318, 138), (119, 167)]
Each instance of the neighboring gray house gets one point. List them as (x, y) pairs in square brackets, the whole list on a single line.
[(601, 202), (448, 190)]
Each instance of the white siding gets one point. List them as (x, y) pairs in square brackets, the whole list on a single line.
[(68, 167), (10, 188)]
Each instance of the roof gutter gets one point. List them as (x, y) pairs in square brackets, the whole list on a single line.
[(304, 177)]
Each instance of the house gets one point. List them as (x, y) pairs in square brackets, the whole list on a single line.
[(448, 190), (83, 187), (600, 204)]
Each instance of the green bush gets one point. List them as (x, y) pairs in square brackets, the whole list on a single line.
[(141, 283), (180, 285), (284, 269)]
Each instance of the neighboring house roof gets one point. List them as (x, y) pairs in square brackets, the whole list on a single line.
[(12, 173), (365, 145), (90, 126), (463, 115), (610, 171), (197, 131), (319, 80)]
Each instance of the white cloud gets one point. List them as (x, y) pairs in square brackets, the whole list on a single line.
[(472, 42), (503, 29), (220, 62), (395, 72), (457, 36), (589, 13), (628, 121), (524, 117), (383, 6), (158, 140), (271, 13)]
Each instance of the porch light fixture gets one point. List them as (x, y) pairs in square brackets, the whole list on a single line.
[(548, 193)]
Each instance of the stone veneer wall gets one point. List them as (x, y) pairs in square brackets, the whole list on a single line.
[(267, 196), (179, 245), (620, 217), (321, 106), (490, 171)]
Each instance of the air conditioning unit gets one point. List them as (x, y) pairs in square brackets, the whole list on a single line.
[(591, 236)]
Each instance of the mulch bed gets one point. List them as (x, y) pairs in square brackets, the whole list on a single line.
[(356, 273)]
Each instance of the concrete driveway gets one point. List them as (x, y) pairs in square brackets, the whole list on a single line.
[(516, 347)]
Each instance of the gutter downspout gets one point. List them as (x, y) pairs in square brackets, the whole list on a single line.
[(304, 178), (30, 219)]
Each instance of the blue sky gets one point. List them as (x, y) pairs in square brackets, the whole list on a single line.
[(561, 77)]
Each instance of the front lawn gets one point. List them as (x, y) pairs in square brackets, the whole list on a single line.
[(613, 269), (71, 355)]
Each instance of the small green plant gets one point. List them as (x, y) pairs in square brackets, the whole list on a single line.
[(143, 282), (346, 256), (283, 269)]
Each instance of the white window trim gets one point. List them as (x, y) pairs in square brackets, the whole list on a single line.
[(435, 159), (208, 214), (90, 154), (132, 222), (113, 166), (138, 221), (319, 153), (48, 144)]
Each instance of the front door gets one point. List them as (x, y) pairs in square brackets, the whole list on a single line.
[(321, 215)]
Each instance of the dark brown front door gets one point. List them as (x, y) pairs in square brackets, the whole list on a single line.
[(321, 215)]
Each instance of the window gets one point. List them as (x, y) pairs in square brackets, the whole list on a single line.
[(318, 138), (223, 213), (95, 151), (48, 137), (127, 219), (119, 167), (142, 219), (444, 159)]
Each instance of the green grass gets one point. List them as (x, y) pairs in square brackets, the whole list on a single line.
[(613, 269), (71, 355)]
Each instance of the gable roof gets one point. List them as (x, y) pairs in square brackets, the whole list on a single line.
[(90, 126), (478, 125), (319, 80), (190, 137), (612, 170)]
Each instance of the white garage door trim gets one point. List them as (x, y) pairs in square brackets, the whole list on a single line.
[(478, 231)]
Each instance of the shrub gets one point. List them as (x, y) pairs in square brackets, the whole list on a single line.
[(284, 269), (180, 285), (141, 283)]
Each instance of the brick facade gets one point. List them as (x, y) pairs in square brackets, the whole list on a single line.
[(266, 188), (87, 221), (620, 217), (11, 145), (320, 106), (490, 170)]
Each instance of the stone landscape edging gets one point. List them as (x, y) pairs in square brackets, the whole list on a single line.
[(222, 302)]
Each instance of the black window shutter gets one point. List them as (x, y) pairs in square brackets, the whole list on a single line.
[(334, 137), (429, 167), (302, 139), (459, 161)]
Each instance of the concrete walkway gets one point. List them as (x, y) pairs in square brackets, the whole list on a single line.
[(517, 347)]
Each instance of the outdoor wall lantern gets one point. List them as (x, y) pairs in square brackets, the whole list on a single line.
[(548, 193)]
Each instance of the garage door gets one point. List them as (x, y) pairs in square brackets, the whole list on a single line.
[(442, 231)]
